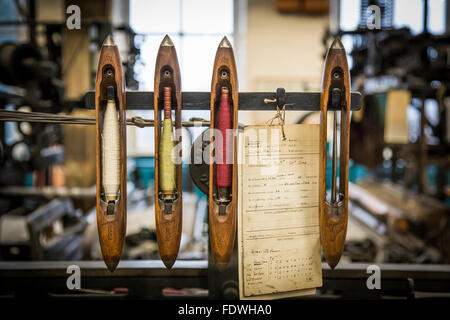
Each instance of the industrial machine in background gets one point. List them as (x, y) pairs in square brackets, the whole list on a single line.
[(33, 178), (400, 137), (50, 221)]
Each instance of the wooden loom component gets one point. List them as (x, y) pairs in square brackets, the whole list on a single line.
[(111, 161), (168, 174), (334, 212), (223, 175)]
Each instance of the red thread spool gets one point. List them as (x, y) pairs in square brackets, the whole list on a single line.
[(224, 170)]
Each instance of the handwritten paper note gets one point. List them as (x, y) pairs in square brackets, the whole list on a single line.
[(278, 213)]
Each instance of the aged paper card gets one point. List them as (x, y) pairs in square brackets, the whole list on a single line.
[(396, 123), (278, 213)]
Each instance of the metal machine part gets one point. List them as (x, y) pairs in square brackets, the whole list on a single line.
[(198, 168), (248, 101), (53, 231), (150, 280)]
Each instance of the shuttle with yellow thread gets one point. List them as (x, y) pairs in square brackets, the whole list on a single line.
[(111, 163), (168, 166)]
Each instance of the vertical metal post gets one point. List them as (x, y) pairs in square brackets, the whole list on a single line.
[(425, 16), (422, 165), (32, 20)]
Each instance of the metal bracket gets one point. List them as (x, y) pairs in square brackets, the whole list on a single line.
[(249, 101)]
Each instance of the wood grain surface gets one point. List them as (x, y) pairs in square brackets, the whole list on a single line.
[(334, 216), (168, 224), (222, 228), (111, 227)]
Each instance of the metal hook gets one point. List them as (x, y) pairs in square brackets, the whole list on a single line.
[(280, 100), (281, 97)]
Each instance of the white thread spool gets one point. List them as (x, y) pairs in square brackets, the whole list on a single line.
[(111, 151)]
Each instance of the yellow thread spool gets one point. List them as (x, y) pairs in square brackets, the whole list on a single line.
[(167, 170)]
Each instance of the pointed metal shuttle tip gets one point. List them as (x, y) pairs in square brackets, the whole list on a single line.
[(221, 266), (333, 264), (225, 43), (112, 266), (112, 262), (168, 263), (167, 42), (109, 41), (337, 44)]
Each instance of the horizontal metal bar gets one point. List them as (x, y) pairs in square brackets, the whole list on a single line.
[(199, 268), (44, 117), (126, 268), (306, 101)]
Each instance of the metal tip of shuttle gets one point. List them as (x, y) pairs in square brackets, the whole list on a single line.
[(333, 263), (167, 42), (221, 266), (112, 266), (112, 262), (225, 43), (168, 263), (337, 44), (109, 41)]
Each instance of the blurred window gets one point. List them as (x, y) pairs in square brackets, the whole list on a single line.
[(349, 14), (436, 16), (409, 13), (406, 13), (196, 28)]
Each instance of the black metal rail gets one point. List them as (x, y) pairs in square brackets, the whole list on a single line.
[(307, 101), (148, 279)]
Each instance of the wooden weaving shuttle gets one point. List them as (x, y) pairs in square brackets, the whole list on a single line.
[(223, 171), (111, 161), (168, 173), (334, 211)]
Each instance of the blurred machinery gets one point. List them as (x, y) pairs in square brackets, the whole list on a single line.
[(401, 136), (401, 212), (52, 232), (399, 226), (34, 195)]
